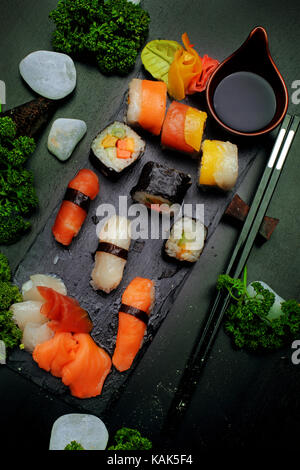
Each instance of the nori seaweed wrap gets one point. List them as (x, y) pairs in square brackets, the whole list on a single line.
[(159, 185)]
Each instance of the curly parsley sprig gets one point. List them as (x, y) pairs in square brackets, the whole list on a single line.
[(247, 320)]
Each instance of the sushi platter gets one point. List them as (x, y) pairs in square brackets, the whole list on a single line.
[(145, 259), (101, 277)]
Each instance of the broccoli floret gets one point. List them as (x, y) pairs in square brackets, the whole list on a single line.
[(12, 224), (119, 58), (9, 294), (16, 177), (73, 445), (26, 199), (110, 32), (17, 187), (10, 333), (23, 147), (5, 272), (8, 130), (17, 193), (130, 439)]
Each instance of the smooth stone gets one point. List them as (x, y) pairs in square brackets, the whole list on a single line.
[(50, 74), (275, 310), (2, 352), (85, 429), (64, 135)]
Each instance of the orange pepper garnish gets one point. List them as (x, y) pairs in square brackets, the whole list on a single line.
[(186, 65), (188, 72)]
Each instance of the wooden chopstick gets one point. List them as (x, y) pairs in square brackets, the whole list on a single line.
[(240, 254), (267, 197), (251, 214)]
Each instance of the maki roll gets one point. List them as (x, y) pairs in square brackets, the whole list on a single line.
[(186, 240), (147, 101), (183, 128), (74, 208), (159, 187), (219, 164), (115, 149), (111, 254)]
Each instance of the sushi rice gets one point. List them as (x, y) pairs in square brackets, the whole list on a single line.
[(186, 240), (107, 157), (134, 101)]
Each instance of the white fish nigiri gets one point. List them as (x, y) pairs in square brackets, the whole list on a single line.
[(28, 311), (111, 255), (29, 288), (34, 334)]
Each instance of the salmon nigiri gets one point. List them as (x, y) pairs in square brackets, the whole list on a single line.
[(137, 303), (74, 208), (54, 354), (64, 313), (86, 374)]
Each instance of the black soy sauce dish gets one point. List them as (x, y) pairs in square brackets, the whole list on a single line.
[(246, 94)]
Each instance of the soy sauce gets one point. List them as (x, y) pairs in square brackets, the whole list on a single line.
[(245, 101)]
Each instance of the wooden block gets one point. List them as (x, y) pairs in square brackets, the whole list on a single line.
[(237, 212)]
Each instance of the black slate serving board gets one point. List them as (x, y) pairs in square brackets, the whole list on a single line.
[(74, 264)]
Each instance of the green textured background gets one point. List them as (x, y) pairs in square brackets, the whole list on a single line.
[(241, 400)]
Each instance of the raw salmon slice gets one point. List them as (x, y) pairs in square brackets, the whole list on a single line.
[(54, 354), (64, 313), (86, 374), (153, 105)]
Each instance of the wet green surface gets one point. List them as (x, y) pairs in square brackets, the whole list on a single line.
[(233, 405)]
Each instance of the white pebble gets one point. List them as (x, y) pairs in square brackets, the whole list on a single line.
[(50, 74), (2, 352), (64, 135), (87, 430)]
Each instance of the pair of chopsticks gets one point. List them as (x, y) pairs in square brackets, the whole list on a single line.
[(238, 259)]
